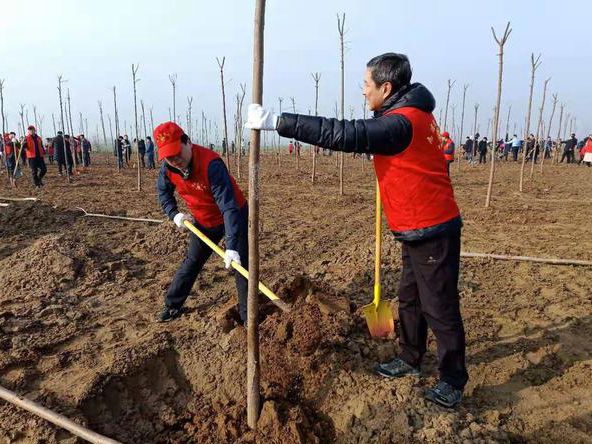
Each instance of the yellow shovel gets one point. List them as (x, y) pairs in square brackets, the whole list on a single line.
[(379, 315), (220, 252)]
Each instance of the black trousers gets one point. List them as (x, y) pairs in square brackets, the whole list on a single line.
[(482, 157), (515, 154), (151, 160), (570, 156), (428, 297), (142, 161), (86, 158), (38, 170), (197, 255)]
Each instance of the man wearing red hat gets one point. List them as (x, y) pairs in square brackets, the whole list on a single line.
[(33, 147), (448, 149), (215, 203)]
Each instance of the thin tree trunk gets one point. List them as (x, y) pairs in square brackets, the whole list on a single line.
[(55, 131), (462, 124), (340, 28), (253, 366), (316, 77), (135, 81), (535, 63), (72, 145), (450, 85), (144, 120), (173, 80), (548, 130), (2, 107), (116, 141), (539, 129), (501, 42), (558, 143), (60, 81), (221, 65)]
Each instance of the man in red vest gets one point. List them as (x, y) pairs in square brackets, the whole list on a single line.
[(215, 204), (419, 205), (33, 147), (448, 149)]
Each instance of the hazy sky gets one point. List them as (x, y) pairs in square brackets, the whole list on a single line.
[(93, 45)]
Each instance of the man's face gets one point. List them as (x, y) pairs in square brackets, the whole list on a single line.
[(31, 132), (375, 95), (181, 160)]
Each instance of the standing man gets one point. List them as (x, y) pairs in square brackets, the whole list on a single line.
[(448, 149), (141, 145), (33, 146), (215, 203), (419, 205), (569, 148), (63, 153), (127, 149), (9, 156), (483, 150), (150, 152), (119, 151), (86, 149), (515, 143), (468, 148), (49, 149)]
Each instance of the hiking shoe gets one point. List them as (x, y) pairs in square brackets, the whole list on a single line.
[(396, 369), (444, 394), (169, 314)]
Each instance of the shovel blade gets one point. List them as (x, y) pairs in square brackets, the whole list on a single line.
[(379, 319)]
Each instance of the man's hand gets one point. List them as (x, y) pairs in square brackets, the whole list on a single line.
[(259, 118), (229, 256), (180, 217)]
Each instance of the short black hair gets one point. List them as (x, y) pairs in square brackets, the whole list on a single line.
[(148, 137), (184, 138), (390, 67)]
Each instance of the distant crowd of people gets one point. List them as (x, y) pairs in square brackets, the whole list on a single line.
[(31, 149), (122, 149), (475, 149)]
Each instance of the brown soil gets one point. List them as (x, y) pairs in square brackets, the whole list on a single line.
[(78, 299)]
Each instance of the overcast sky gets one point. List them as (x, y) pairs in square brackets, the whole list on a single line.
[(93, 45)]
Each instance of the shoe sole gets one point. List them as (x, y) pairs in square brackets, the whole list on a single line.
[(442, 404), (402, 375)]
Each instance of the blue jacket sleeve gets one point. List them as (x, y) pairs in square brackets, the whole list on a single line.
[(166, 194), (221, 187)]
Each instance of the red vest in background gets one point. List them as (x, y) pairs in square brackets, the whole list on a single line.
[(31, 154), (196, 191), (416, 191), (446, 147)]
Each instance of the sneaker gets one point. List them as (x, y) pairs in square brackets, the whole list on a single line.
[(169, 314), (396, 369), (444, 394)]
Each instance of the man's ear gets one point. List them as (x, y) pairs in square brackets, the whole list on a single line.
[(387, 89)]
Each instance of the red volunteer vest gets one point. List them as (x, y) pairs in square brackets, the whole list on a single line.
[(415, 189), (196, 191), (30, 151), (8, 148), (448, 157)]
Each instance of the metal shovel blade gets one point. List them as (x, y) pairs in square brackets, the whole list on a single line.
[(379, 319)]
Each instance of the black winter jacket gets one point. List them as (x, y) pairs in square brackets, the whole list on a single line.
[(384, 134)]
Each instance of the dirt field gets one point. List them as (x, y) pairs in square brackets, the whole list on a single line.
[(79, 297)]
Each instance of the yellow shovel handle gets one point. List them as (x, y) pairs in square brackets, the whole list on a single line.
[(220, 252), (377, 252)]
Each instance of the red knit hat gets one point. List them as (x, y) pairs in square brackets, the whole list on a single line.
[(445, 134), (167, 136)]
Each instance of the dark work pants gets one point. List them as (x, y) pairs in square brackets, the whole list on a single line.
[(482, 157), (86, 158), (142, 162), (569, 155), (515, 154), (150, 160), (197, 255), (38, 170), (428, 297)]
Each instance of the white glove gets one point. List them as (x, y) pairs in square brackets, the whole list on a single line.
[(259, 118), (229, 256), (180, 217)]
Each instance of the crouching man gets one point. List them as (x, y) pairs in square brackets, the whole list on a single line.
[(216, 206)]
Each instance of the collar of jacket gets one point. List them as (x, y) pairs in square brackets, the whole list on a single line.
[(393, 100), (185, 175)]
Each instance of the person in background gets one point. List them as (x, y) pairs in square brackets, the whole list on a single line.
[(150, 152), (419, 205), (468, 149), (63, 153), (9, 156), (86, 150), (33, 147), (448, 149), (141, 151), (483, 150), (290, 147), (77, 149), (118, 151), (569, 149), (127, 149), (516, 145), (586, 151), (49, 149), (548, 147)]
